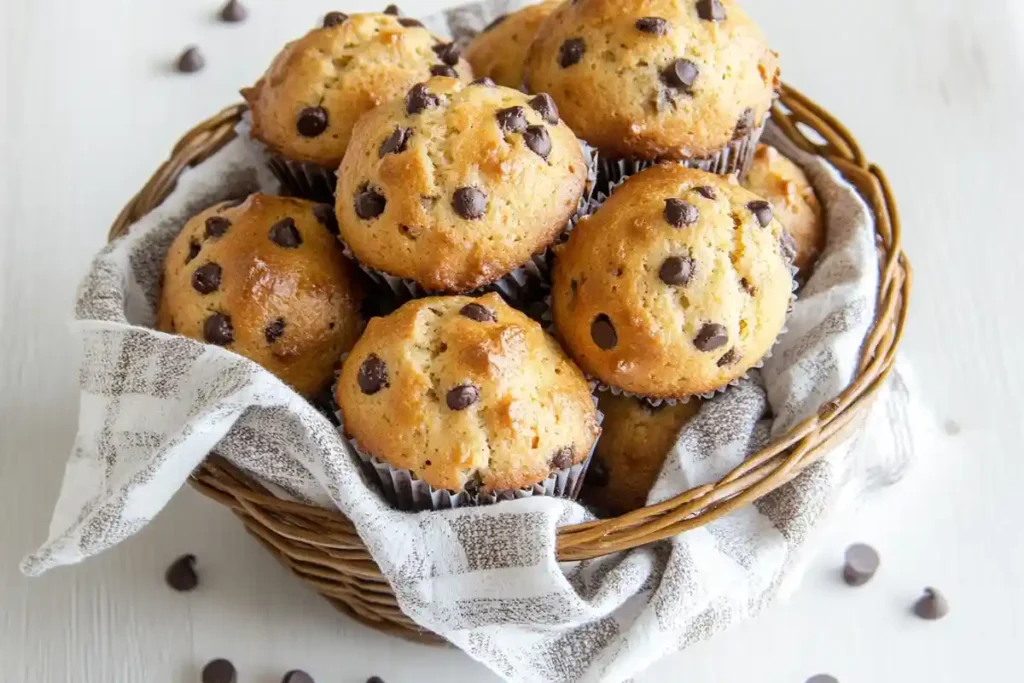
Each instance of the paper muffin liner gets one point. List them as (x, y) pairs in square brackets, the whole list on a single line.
[(298, 178)]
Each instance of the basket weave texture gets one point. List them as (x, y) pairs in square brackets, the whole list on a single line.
[(322, 546)]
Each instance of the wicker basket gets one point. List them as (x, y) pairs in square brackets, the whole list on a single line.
[(322, 546)]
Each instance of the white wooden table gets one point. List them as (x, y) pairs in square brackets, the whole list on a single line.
[(932, 88)]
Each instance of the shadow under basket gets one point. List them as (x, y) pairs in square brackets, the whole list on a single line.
[(322, 546)]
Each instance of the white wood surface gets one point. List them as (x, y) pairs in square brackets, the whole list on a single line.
[(932, 88)]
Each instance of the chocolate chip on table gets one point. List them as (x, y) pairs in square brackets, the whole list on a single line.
[(710, 10), (762, 211), (680, 74), (217, 329), (334, 18), (744, 125), (676, 270), (710, 337), (479, 313), (495, 22), (409, 22), (190, 61), (448, 53), (273, 331), (544, 105), (373, 375), (419, 98), (311, 122), (233, 12), (511, 119), (193, 250), (369, 203), (602, 331), (860, 562), (571, 52), (443, 70), (206, 278), (216, 226), (181, 575), (932, 605), (284, 234), (679, 214), (395, 143), (538, 140), (297, 676), (325, 214), (822, 678), (731, 357), (597, 474), (563, 458), (653, 25), (392, 10), (485, 81), (469, 203), (462, 397), (219, 671), (706, 191)]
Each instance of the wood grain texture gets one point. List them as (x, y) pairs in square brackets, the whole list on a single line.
[(930, 87)]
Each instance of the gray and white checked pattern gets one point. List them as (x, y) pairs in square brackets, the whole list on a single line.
[(153, 405)]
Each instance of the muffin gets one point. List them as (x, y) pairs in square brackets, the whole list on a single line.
[(454, 186), (635, 439), (658, 80), (499, 51), (265, 278), (677, 285), (304, 107), (786, 187), (469, 396)]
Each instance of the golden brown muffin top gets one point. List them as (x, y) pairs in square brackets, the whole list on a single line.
[(499, 51)]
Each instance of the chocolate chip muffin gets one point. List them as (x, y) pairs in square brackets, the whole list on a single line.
[(688, 80), (467, 394), (316, 88), (454, 186), (635, 439), (265, 278), (786, 187), (678, 284), (499, 51)]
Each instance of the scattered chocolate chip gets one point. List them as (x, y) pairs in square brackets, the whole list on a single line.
[(744, 125), (233, 12), (747, 287), (392, 10), (681, 74), (219, 671), (653, 25), (297, 676), (273, 331), (469, 203), (191, 60), (443, 70), (676, 270), (860, 564), (731, 357), (419, 98), (822, 678), (603, 332), (395, 143), (494, 23), (373, 375), (788, 246), (325, 214), (571, 52), (206, 278), (217, 329), (706, 191), (216, 226), (710, 10), (762, 211), (544, 105), (511, 120), (462, 397), (485, 81), (679, 214), (597, 474), (448, 53), (374, 679), (538, 140), (932, 605), (311, 122), (563, 458), (284, 234), (369, 202), (181, 575), (193, 250), (710, 337), (408, 22), (334, 18), (479, 313)]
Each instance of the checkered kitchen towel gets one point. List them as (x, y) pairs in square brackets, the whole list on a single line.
[(153, 405)]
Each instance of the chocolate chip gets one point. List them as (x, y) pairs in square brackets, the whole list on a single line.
[(311, 121), (603, 332), (706, 191), (334, 18), (374, 679), (373, 375), (284, 234), (219, 671), (679, 214), (479, 313), (206, 278), (273, 331), (563, 458), (190, 60), (396, 142), (443, 70), (538, 140), (216, 226), (448, 53), (410, 23), (392, 10), (653, 25), (419, 98), (747, 287), (762, 211), (297, 676), (731, 357), (325, 214), (710, 337), (485, 81), (676, 270), (494, 23), (597, 474), (680, 74), (932, 605), (369, 202), (571, 52), (181, 575), (462, 397), (469, 203), (860, 564), (193, 250), (710, 10), (218, 329), (544, 105), (512, 119), (788, 246), (744, 125), (233, 12)]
